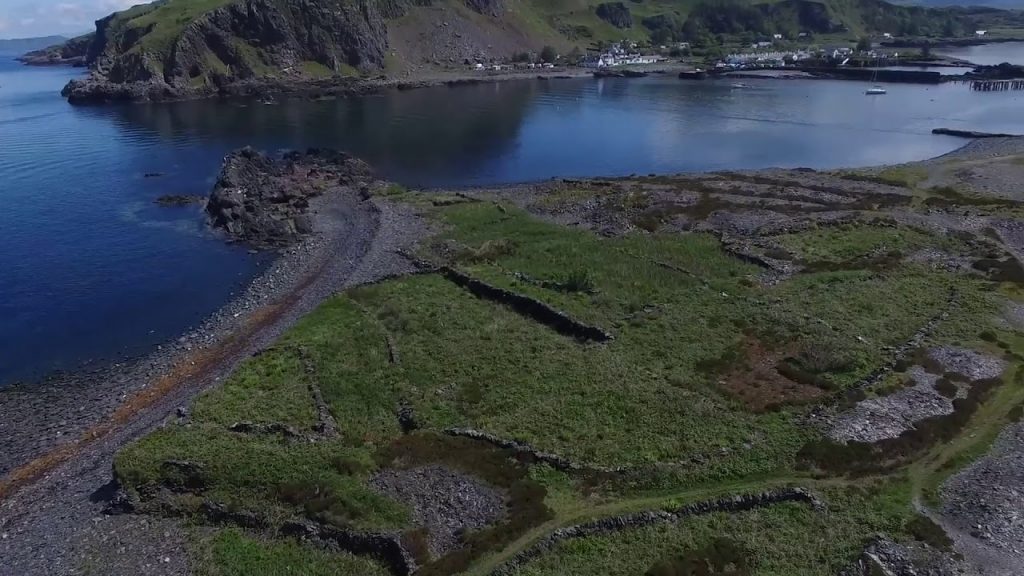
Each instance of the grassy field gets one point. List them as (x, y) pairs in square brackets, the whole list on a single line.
[(232, 553), (702, 392)]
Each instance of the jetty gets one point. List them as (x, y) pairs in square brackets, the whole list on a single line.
[(971, 133), (996, 85)]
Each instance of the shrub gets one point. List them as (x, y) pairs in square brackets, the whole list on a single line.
[(579, 280), (723, 556)]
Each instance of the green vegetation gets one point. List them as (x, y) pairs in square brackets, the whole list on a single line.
[(783, 540), (231, 553), (160, 24), (702, 393), (859, 242), (902, 176)]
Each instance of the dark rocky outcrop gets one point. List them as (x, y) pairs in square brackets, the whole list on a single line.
[(1004, 71), (616, 14), (178, 200), (265, 201), (971, 133), (489, 7), (71, 53), (239, 41)]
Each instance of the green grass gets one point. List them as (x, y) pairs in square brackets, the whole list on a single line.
[(262, 474), (232, 553), (273, 389), (783, 540), (164, 23), (901, 176), (681, 310), (841, 244), (316, 69)]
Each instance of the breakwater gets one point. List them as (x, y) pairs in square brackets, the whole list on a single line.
[(996, 85), (874, 75)]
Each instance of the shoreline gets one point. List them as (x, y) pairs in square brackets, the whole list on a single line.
[(55, 415), (56, 496)]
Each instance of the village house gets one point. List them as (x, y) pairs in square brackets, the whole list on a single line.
[(610, 59)]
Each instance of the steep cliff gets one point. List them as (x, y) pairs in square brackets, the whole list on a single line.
[(174, 49)]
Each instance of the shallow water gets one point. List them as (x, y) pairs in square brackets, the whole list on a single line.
[(948, 70), (91, 269), (987, 54)]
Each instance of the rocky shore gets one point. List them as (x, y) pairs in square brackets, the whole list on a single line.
[(266, 202), (57, 440), (96, 90)]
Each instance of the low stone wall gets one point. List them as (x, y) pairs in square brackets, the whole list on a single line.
[(908, 347), (613, 524), (522, 449), (530, 307), (386, 548)]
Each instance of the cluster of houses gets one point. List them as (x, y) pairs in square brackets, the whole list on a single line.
[(480, 67), (762, 59), (778, 59), (619, 54)]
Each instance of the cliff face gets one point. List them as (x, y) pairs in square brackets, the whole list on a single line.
[(175, 49), (142, 54)]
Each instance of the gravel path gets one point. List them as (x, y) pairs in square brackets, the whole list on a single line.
[(983, 507), (54, 525)]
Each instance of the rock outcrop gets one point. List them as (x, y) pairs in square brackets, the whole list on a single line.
[(145, 54), (265, 201), (71, 53), (616, 14)]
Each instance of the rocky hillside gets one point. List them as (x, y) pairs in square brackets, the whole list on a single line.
[(70, 52), (194, 48)]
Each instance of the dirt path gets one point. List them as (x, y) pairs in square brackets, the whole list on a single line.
[(50, 519)]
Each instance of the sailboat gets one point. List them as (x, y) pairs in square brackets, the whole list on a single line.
[(875, 90)]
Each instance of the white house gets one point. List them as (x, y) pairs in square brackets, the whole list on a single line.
[(777, 36), (887, 36)]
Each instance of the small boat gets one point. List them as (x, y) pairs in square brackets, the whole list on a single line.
[(740, 86), (875, 91)]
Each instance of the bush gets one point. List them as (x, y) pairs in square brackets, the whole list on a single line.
[(723, 556), (579, 280), (548, 54)]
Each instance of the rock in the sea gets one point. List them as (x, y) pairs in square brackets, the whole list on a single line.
[(265, 201), (177, 200)]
